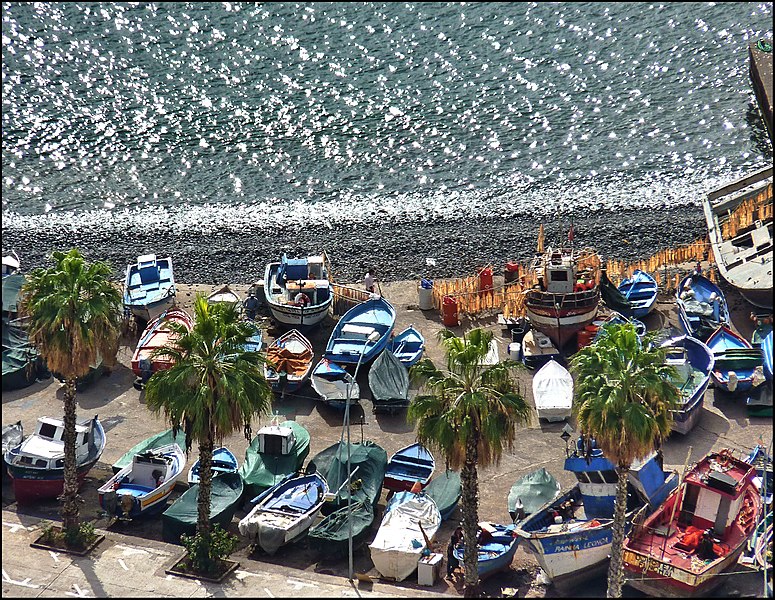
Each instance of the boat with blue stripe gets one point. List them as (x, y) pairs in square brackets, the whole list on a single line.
[(149, 286), (640, 291), (701, 305)]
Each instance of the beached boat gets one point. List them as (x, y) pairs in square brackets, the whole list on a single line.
[(616, 318), (389, 383), (225, 295), (767, 356), (157, 334), (363, 330), (284, 512), (697, 533), (530, 492), (742, 243), (409, 520), (152, 443), (334, 384), (277, 450), (495, 550), (567, 297), (289, 362), (736, 361), (298, 291), (553, 392), (182, 515), (759, 458), (143, 487), (409, 465), (445, 489), (224, 461), (13, 435), (694, 363), (256, 341), (640, 291), (702, 306), (37, 465), (10, 263), (149, 286), (22, 364), (408, 345), (538, 349), (331, 535)]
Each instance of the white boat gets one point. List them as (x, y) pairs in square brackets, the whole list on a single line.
[(289, 361), (11, 264), (149, 286), (298, 291), (553, 392), (334, 384), (537, 349), (224, 295), (409, 523)]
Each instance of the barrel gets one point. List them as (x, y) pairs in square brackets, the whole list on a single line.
[(511, 272), (449, 311), (585, 337), (425, 294), (485, 279)]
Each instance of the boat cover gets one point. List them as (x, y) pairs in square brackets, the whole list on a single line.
[(534, 490), (330, 381), (553, 391), (334, 530), (12, 285), (288, 360), (613, 297), (19, 357), (389, 380), (445, 490), (155, 441)]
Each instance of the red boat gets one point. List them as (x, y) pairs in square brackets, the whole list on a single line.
[(698, 533), (156, 335)]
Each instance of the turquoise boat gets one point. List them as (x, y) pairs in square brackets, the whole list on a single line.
[(224, 461)]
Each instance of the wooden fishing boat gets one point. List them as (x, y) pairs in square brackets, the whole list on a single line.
[(408, 346), (409, 520), (37, 465), (640, 291), (362, 332), (10, 263), (298, 291), (445, 489), (567, 300), (495, 550), (530, 492), (553, 392), (13, 435), (284, 512), (224, 461), (538, 349), (157, 334), (409, 465), (698, 533), (736, 361), (225, 295), (694, 363), (334, 384), (702, 306), (289, 362), (389, 383), (182, 515), (154, 442), (143, 487), (739, 219), (616, 318), (149, 286)]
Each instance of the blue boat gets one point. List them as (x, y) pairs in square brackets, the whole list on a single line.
[(149, 286), (767, 356), (616, 318), (641, 291), (496, 548), (408, 346), (365, 328), (736, 360), (256, 341), (224, 461), (694, 363), (763, 463), (702, 306), (409, 465)]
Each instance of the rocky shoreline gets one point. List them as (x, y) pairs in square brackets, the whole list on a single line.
[(398, 250)]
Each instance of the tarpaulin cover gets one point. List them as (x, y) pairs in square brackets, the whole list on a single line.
[(155, 441), (286, 360), (19, 358), (613, 297), (389, 379), (334, 530), (553, 389), (12, 285), (445, 491), (534, 489)]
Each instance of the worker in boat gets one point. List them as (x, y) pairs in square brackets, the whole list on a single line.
[(301, 299), (705, 549)]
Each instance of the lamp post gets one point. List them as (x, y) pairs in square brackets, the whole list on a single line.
[(373, 337)]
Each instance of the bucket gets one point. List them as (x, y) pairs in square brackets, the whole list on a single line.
[(449, 311), (425, 294), (584, 338), (511, 272), (485, 279), (515, 350)]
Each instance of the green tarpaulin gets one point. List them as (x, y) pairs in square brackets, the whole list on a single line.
[(389, 382), (612, 297), (155, 441), (534, 490), (445, 491), (20, 358), (334, 530), (12, 285)]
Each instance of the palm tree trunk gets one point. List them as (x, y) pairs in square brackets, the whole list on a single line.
[(205, 485), (470, 508), (70, 489), (615, 573)]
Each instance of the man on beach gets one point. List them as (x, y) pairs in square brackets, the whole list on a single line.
[(368, 280)]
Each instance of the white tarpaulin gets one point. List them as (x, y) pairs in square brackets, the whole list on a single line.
[(553, 392)]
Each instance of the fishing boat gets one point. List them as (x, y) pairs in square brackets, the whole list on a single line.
[(408, 526), (255, 342), (284, 512), (152, 443), (298, 291), (571, 535), (37, 465), (277, 450), (445, 489), (182, 515), (759, 458), (767, 356), (538, 349), (693, 362), (13, 435), (224, 461), (567, 296), (616, 318), (362, 332), (409, 465), (736, 361), (289, 362), (640, 290), (156, 335), (10, 263), (530, 492), (408, 346), (143, 487), (334, 384), (495, 549), (553, 392), (702, 306), (22, 364), (389, 383), (149, 286), (697, 533), (225, 295), (739, 220), (331, 535)]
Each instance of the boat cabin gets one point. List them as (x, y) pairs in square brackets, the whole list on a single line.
[(149, 469), (276, 440), (596, 476), (45, 448), (302, 275)]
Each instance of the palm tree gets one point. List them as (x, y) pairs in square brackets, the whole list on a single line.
[(214, 388), (74, 316), (624, 398), (469, 413)]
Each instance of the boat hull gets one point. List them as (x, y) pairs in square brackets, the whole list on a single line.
[(577, 310), (32, 485), (279, 294), (685, 420)]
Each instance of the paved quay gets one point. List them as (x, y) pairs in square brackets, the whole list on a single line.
[(131, 561)]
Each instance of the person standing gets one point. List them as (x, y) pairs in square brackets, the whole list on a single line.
[(452, 562), (368, 280), (251, 306)]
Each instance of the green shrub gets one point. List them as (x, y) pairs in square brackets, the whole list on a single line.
[(205, 551)]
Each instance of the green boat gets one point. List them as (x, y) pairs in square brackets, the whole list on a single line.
[(446, 491), (22, 364), (613, 297), (180, 518), (164, 438), (276, 451), (334, 530)]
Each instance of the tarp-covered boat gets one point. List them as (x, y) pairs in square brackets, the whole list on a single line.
[(22, 364), (289, 361), (224, 461), (153, 442), (408, 346), (531, 492), (334, 384), (553, 392), (445, 490), (409, 465), (331, 536), (389, 383), (496, 548)]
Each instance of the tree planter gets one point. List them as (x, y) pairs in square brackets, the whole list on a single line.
[(181, 568), (59, 545)]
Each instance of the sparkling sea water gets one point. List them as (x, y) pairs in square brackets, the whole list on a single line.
[(232, 114)]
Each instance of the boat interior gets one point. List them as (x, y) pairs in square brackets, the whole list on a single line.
[(290, 356), (292, 276), (297, 499), (148, 275)]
